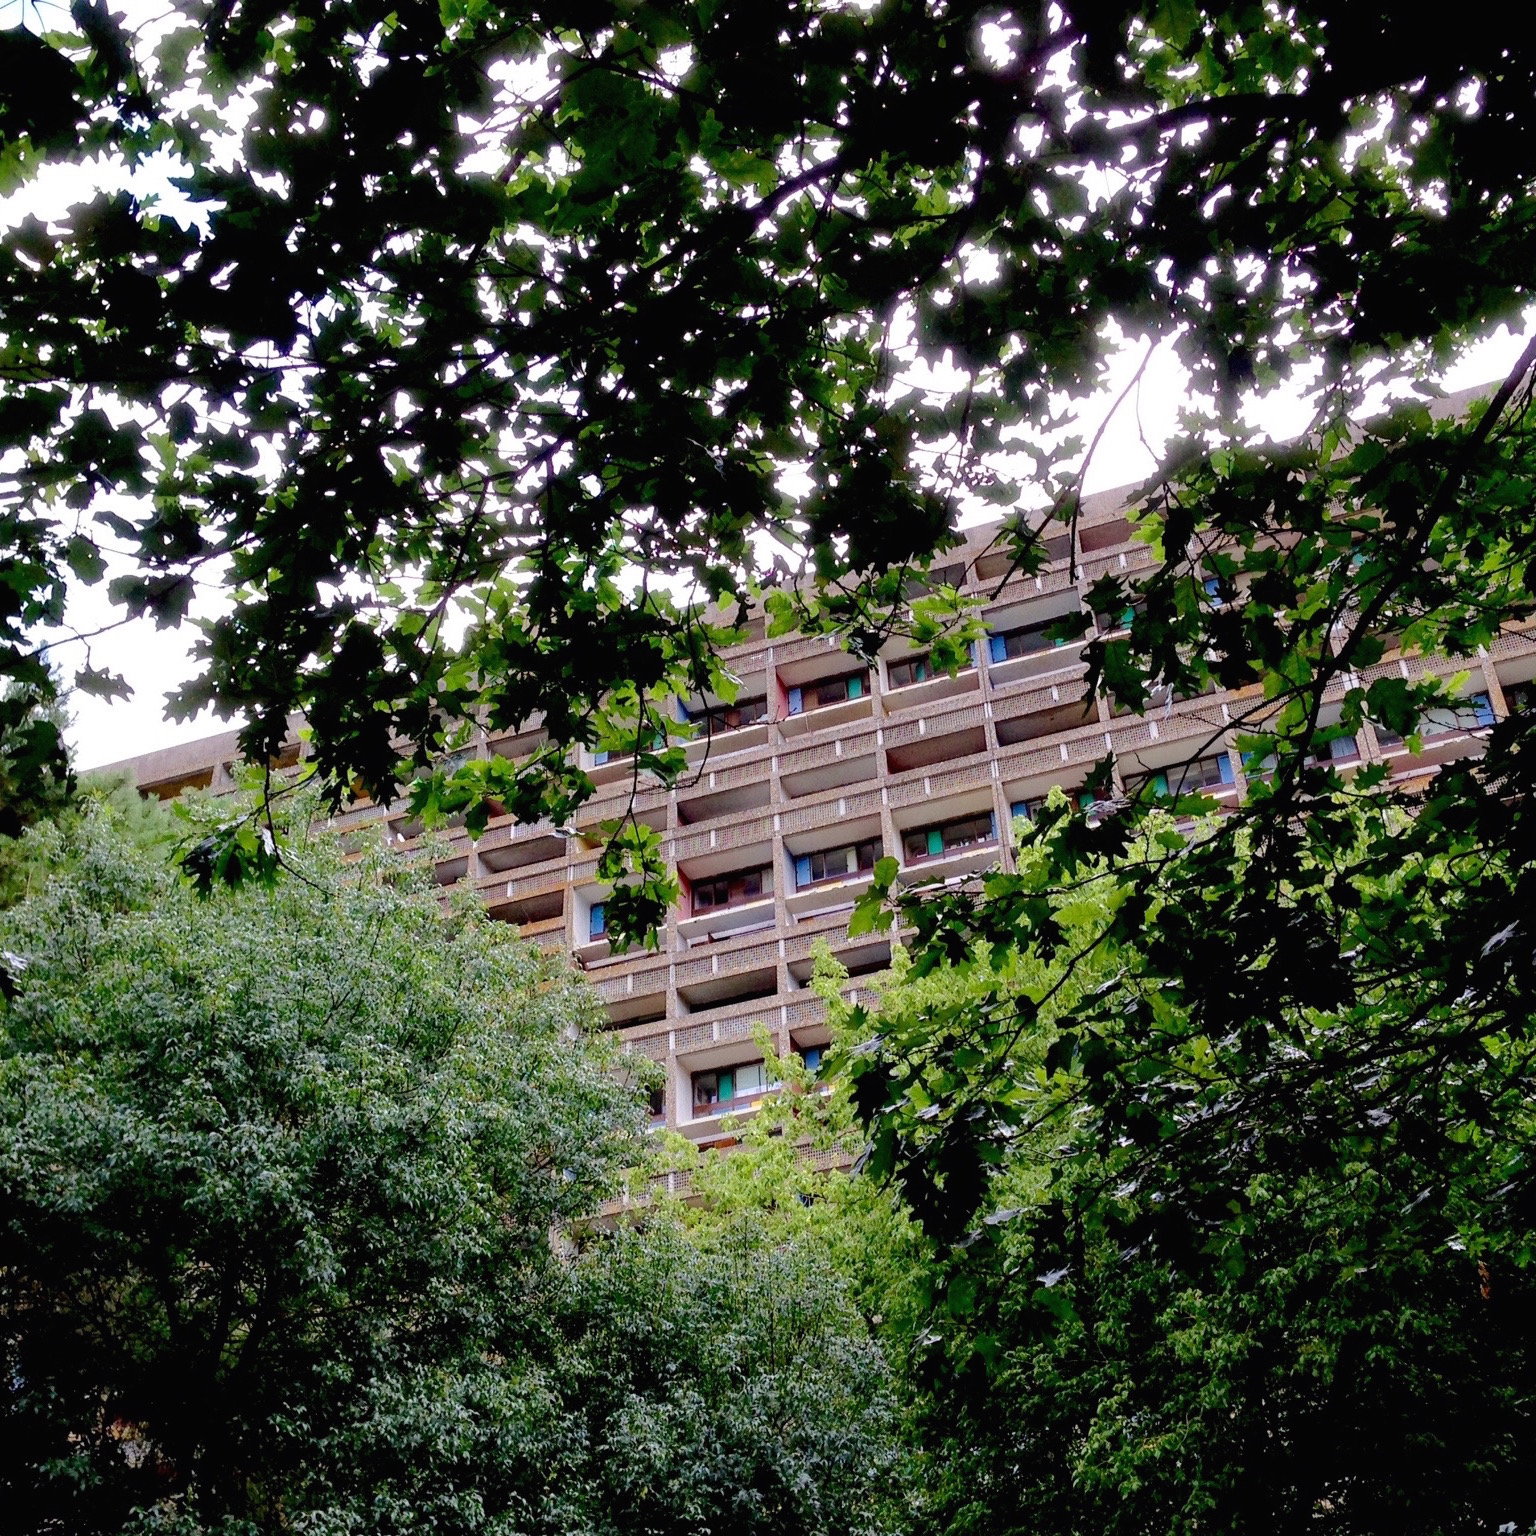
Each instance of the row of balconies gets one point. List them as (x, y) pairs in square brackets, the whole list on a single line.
[(820, 689), (726, 890), (717, 1074)]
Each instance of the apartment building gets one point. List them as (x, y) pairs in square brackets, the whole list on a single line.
[(821, 766)]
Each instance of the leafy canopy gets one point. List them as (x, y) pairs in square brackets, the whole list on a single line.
[(289, 1181), (481, 345)]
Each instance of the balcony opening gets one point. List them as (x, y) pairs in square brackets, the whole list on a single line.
[(1472, 712), (951, 575), (804, 698), (1117, 623), (923, 845), (1028, 640), (720, 1090), (1324, 754), (506, 850), (719, 892), (1341, 749), (832, 864), (545, 907), (861, 960), (1046, 722), (1027, 807), (169, 789), (719, 991), (726, 802), (721, 719), (518, 744), (1103, 536), (929, 750), (836, 774), (1202, 773), (451, 871), (626, 1012), (653, 816), (995, 564)]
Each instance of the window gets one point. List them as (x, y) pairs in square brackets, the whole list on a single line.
[(832, 690), (1518, 697), (723, 1088), (597, 924), (1212, 589), (812, 1056), (731, 890), (1341, 749), (715, 719), (935, 842), (1027, 640), (1469, 713), (916, 669), (938, 576), (1203, 773), (1107, 623), (902, 674), (1028, 808), (834, 863), (658, 1106)]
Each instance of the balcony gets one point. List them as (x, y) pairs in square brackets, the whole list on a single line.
[(719, 1091), (1339, 752), (1035, 724), (1213, 775), (721, 729), (728, 903), (1029, 651), (817, 703), (1446, 734), (946, 850), (830, 878), (1027, 807), (998, 562), (589, 938), (911, 682)]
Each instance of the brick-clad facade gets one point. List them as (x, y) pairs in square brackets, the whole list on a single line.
[(773, 831)]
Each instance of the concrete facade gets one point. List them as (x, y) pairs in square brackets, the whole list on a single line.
[(788, 803)]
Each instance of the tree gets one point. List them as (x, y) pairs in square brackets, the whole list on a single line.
[(536, 312), (281, 1174), (722, 1379), (35, 779), (1243, 1270)]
